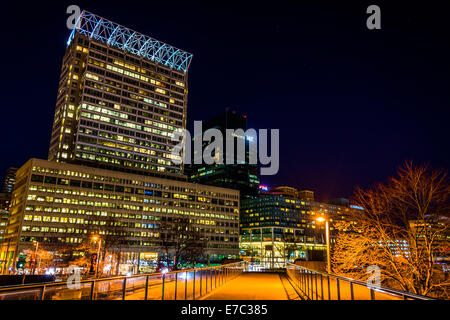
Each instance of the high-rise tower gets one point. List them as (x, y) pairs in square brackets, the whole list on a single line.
[(121, 95), (241, 176)]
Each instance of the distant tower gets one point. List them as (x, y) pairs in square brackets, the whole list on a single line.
[(239, 176), (10, 179)]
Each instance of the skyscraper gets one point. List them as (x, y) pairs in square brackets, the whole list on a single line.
[(10, 178), (239, 176), (121, 95)]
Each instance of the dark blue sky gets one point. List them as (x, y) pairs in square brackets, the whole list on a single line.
[(351, 104)]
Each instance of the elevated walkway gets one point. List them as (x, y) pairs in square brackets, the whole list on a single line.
[(256, 286), (235, 281)]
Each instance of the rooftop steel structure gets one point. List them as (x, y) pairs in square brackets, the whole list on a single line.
[(113, 34)]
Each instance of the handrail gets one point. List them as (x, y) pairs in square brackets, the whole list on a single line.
[(93, 281), (401, 293), (154, 274)]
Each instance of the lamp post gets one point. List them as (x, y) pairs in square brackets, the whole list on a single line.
[(97, 238), (327, 236), (35, 256)]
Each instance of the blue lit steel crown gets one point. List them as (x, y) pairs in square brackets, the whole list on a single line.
[(113, 34)]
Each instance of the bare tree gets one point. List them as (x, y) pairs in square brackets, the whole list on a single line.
[(40, 259), (403, 229), (112, 235), (181, 240), (84, 252), (113, 243)]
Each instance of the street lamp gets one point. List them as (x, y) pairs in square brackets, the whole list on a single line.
[(96, 238), (327, 236), (35, 255)]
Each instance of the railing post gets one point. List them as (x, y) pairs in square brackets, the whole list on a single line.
[(201, 280), (193, 286), (176, 286), (43, 292), (92, 290), (146, 288), (124, 288), (372, 294), (304, 282), (317, 290), (329, 289), (351, 291), (321, 286), (185, 284), (299, 280), (163, 283), (307, 283)]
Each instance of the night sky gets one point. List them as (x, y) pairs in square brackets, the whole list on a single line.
[(351, 104)]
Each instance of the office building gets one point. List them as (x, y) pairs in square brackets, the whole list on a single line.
[(293, 192), (121, 95), (5, 200), (10, 178), (62, 205), (280, 225), (239, 176)]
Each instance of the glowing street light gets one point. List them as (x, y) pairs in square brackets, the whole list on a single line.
[(97, 239), (35, 255), (327, 236)]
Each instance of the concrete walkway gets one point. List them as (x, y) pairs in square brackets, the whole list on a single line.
[(254, 286)]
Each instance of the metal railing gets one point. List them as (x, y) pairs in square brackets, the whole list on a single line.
[(188, 284), (315, 285)]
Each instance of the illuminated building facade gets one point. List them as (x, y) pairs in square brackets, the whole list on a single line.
[(279, 225), (10, 178), (276, 228), (5, 200), (63, 205), (239, 176), (121, 95)]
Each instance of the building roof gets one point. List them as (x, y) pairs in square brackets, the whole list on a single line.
[(113, 34)]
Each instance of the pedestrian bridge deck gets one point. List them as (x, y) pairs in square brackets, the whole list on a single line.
[(255, 286), (235, 281)]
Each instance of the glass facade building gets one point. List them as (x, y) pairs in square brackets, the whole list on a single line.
[(10, 178), (280, 225), (239, 176)]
